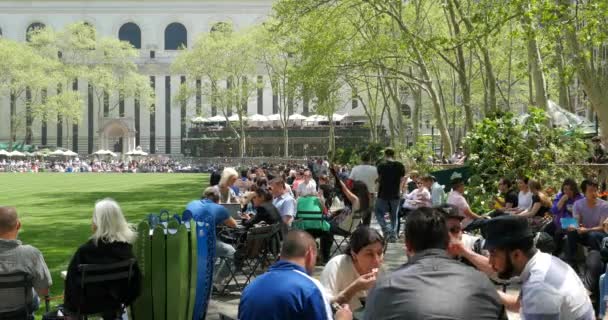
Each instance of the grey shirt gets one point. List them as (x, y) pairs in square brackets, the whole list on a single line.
[(15, 257), (433, 286)]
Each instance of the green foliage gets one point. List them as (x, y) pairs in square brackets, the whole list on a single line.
[(501, 147), (352, 156), (417, 156)]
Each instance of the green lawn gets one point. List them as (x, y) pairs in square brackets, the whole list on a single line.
[(56, 208)]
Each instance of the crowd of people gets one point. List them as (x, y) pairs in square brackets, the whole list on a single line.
[(143, 165), (455, 256)]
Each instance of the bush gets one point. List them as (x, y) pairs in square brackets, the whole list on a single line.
[(500, 147)]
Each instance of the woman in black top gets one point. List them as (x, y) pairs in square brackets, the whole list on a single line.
[(111, 242), (541, 204), (265, 210)]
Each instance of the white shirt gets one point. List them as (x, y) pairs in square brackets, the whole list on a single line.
[(456, 199), (338, 274), (367, 174), (552, 290), (307, 189), (524, 200), (420, 197)]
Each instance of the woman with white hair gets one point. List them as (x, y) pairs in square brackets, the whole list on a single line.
[(111, 242), (227, 193)]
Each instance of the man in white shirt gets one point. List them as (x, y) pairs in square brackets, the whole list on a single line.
[(550, 287), (366, 173), (308, 187)]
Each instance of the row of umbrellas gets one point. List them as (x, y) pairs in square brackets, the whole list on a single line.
[(15, 153), (273, 117)]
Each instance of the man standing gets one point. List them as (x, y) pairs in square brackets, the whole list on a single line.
[(550, 288), (287, 291), (283, 201), (16, 257), (368, 174), (390, 177), (432, 285), (208, 205)]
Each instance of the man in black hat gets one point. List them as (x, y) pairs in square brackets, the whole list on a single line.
[(550, 287)]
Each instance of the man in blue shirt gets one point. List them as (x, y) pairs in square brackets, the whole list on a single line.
[(208, 205), (284, 202), (287, 291)]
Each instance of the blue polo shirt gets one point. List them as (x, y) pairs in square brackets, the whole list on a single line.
[(200, 208), (284, 292)]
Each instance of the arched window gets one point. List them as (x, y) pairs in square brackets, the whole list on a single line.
[(131, 33), (406, 110), (225, 27), (34, 27), (176, 36)]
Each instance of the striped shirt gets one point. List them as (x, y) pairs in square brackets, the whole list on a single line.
[(551, 290)]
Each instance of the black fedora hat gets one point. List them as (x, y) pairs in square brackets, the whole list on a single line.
[(505, 231)]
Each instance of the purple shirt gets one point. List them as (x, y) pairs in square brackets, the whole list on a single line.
[(566, 210), (591, 217)]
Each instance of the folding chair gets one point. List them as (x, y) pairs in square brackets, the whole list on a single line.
[(100, 274), (14, 282), (345, 236), (309, 216), (253, 253)]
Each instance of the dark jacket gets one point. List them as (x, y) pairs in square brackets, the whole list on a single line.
[(267, 212), (433, 286), (103, 296)]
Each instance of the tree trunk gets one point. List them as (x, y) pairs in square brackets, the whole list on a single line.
[(417, 93), (285, 141), (536, 64), (491, 81), (564, 90), (243, 138)]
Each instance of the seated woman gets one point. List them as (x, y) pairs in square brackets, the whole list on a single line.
[(356, 201), (111, 242), (541, 204), (562, 208), (349, 276), (226, 184), (265, 210)]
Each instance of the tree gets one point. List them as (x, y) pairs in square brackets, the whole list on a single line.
[(106, 63), (24, 77), (276, 53), (222, 55)]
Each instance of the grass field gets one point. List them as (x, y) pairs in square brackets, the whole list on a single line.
[(56, 209)]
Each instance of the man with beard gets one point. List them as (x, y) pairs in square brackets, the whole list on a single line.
[(550, 287)]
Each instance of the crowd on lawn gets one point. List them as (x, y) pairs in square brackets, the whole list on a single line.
[(142, 165), (455, 256)]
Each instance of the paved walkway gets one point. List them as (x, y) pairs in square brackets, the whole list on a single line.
[(394, 257)]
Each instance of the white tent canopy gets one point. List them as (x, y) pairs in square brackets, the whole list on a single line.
[(3, 152), (316, 118), (70, 153), (562, 118), (102, 152), (339, 117)]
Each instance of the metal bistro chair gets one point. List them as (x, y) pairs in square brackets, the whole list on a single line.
[(253, 253), (14, 282), (96, 274), (345, 236)]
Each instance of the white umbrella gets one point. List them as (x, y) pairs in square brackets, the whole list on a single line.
[(297, 116), (198, 120), (316, 118), (57, 153), (257, 118), (217, 118), (16, 153), (3, 152), (70, 153), (40, 154), (112, 154), (235, 117), (102, 152), (338, 117), (274, 117), (141, 153), (28, 154)]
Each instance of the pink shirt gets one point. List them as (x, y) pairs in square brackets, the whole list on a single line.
[(457, 200)]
